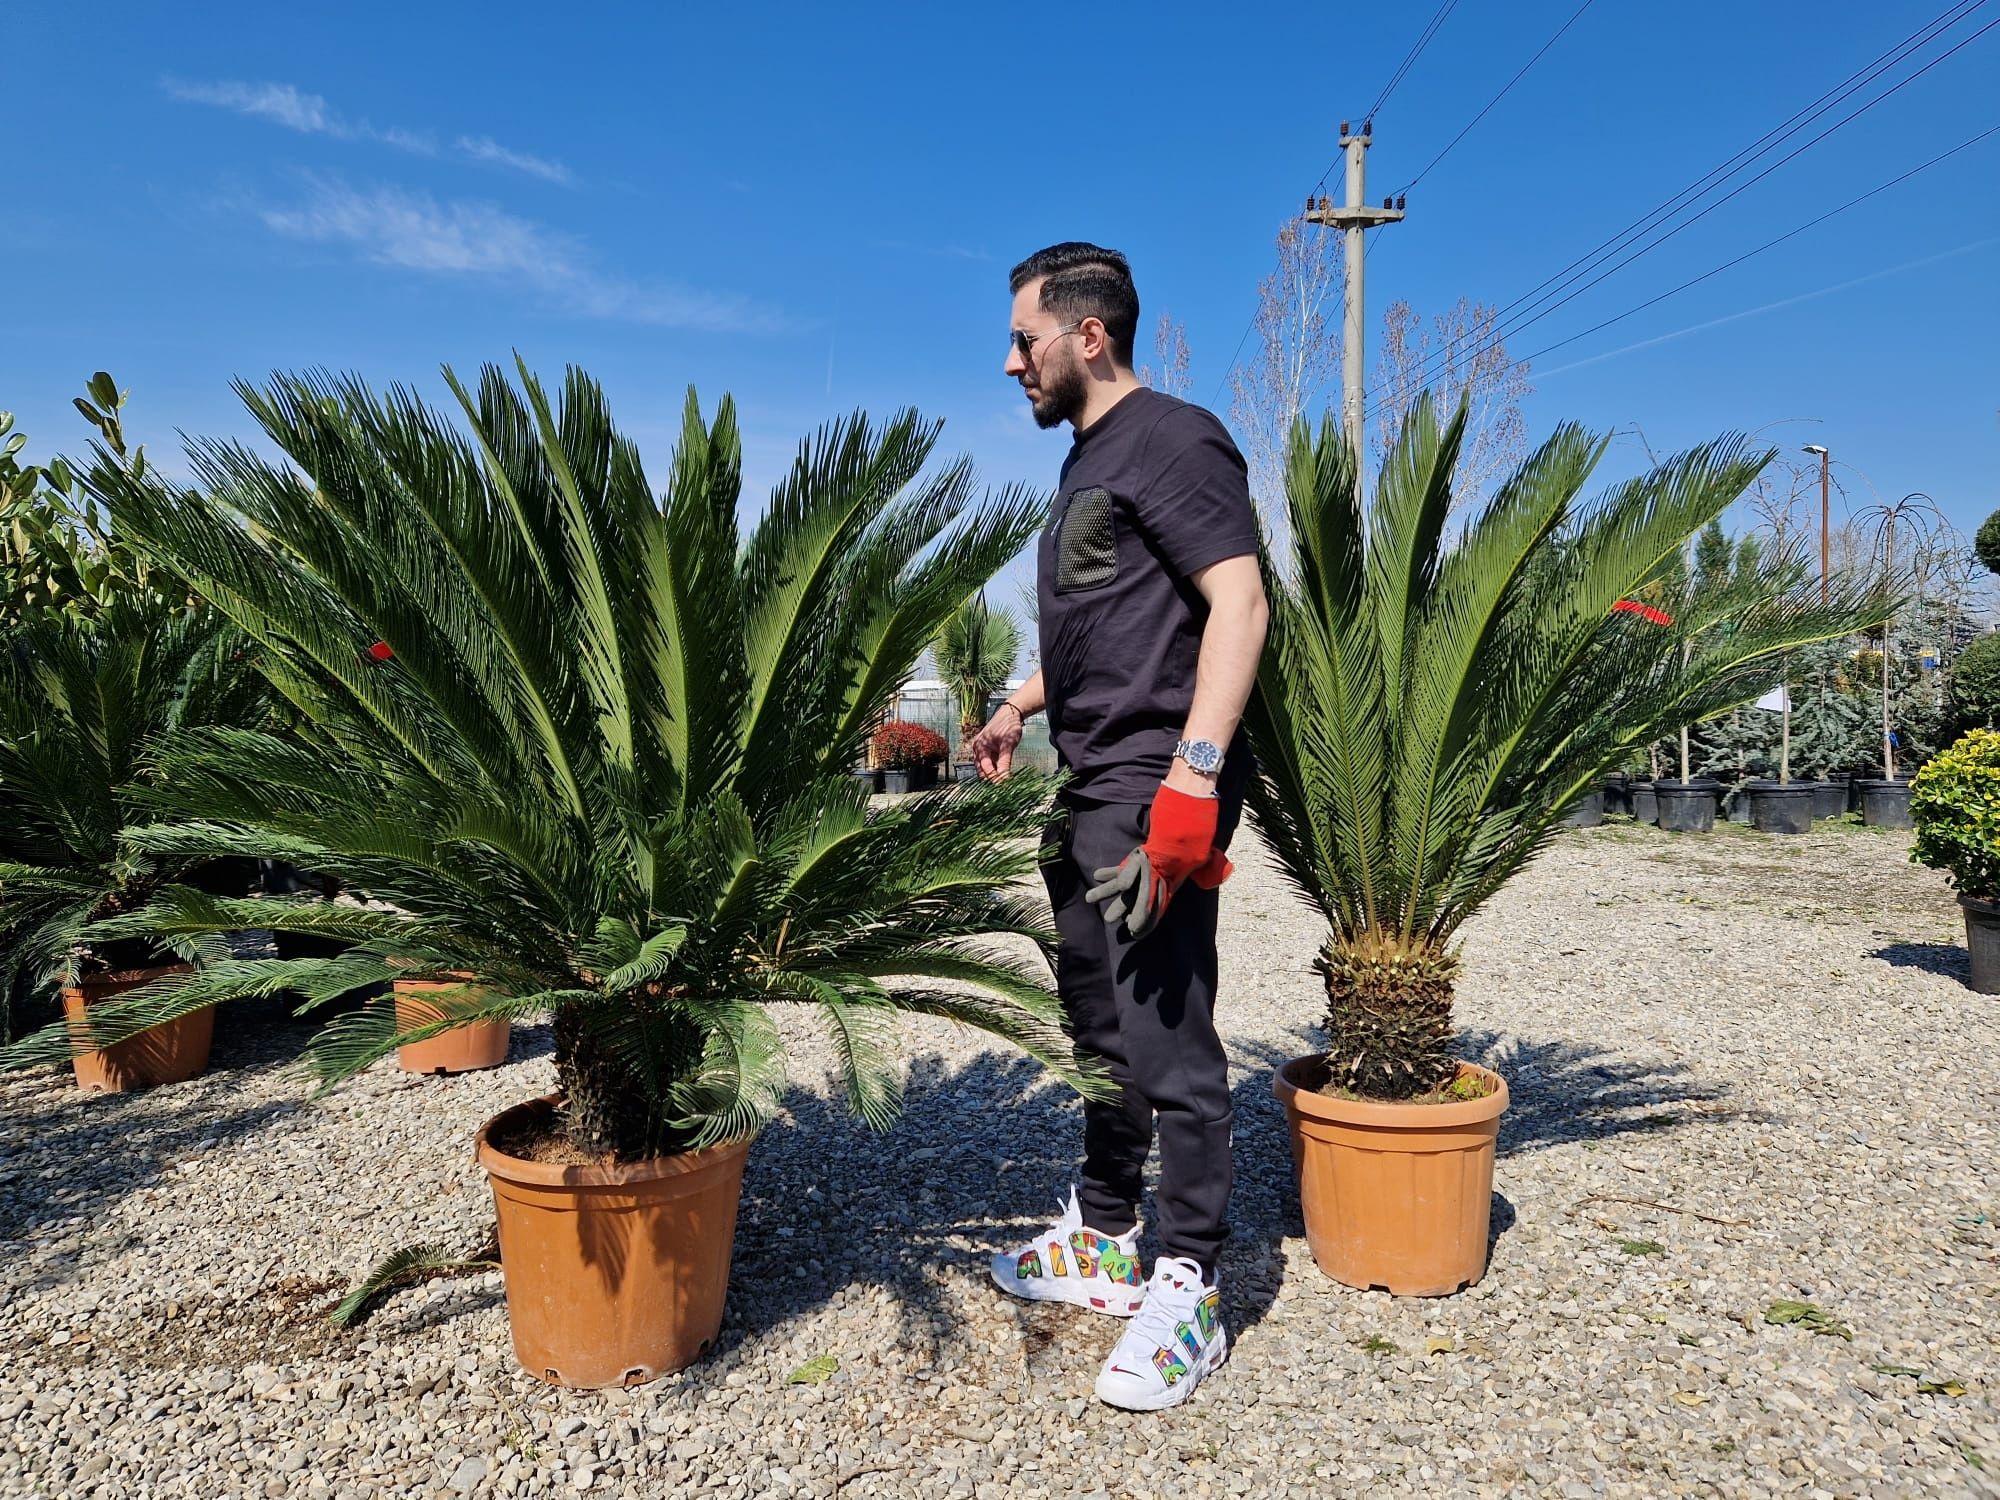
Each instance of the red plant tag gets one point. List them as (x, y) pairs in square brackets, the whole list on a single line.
[(1645, 612), (380, 651)]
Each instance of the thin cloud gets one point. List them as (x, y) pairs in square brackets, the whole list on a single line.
[(416, 232), (292, 107), (485, 148)]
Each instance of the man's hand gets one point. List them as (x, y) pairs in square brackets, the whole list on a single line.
[(993, 747), (1180, 845)]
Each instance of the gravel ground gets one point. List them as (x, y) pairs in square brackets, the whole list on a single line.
[(1743, 1069)]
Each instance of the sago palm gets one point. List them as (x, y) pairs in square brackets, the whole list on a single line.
[(1429, 706), (590, 745), (86, 706)]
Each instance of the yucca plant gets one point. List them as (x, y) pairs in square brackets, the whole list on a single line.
[(975, 654), (590, 745), (86, 706), (1428, 709)]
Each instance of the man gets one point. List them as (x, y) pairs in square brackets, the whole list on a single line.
[(1152, 617)]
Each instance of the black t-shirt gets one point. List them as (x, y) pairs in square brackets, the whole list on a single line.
[(1152, 491)]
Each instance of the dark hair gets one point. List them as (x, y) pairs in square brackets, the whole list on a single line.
[(1081, 280)]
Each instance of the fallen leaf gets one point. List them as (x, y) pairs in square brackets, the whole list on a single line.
[(814, 1371), (1952, 1388), (1642, 1247), (1438, 1346), (1690, 1398), (1807, 1316)]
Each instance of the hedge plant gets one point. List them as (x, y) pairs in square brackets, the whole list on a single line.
[(1955, 802)]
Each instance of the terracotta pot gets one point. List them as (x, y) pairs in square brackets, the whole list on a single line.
[(172, 1053), (463, 1049), (615, 1275), (1397, 1196)]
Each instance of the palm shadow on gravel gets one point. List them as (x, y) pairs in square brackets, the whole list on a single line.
[(1948, 960), (987, 1147), (69, 1156)]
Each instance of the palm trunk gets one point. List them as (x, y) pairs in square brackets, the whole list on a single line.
[(1388, 1026), (606, 1112)]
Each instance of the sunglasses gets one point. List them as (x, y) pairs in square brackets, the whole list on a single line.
[(1024, 341)]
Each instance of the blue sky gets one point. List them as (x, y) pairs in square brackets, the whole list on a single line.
[(814, 207)]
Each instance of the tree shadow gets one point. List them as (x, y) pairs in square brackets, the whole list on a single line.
[(1950, 960)]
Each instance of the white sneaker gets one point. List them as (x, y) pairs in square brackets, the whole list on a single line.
[(1068, 1263), (1176, 1339)]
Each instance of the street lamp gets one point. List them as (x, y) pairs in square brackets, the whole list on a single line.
[(1825, 549)]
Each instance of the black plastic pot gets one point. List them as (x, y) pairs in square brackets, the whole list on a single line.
[(1645, 806), (1854, 780), (965, 770), (1735, 804), (1687, 806), (1618, 794), (1886, 804), (1829, 797), (1982, 942), (870, 779), (910, 779), (1780, 807), (1586, 812)]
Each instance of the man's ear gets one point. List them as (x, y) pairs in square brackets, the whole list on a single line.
[(1096, 338)]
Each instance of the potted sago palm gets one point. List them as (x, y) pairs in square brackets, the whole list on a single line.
[(1426, 713), (601, 767), (909, 755), (1955, 804), (87, 703), (975, 656)]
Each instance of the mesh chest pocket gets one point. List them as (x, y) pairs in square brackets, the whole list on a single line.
[(1087, 543)]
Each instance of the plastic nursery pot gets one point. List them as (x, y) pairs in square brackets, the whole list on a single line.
[(615, 1274), (1780, 806), (172, 1053), (870, 780), (1982, 942), (1829, 798), (1586, 812), (463, 1049), (1397, 1196), (1617, 790), (1854, 780), (1645, 806), (1686, 806), (1886, 804), (910, 778), (1736, 803)]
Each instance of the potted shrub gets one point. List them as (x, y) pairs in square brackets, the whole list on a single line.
[(1425, 712), (975, 656), (601, 764), (1955, 803), (909, 755), (87, 702)]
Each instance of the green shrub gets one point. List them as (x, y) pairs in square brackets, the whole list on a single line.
[(1987, 542), (1975, 683), (1955, 801)]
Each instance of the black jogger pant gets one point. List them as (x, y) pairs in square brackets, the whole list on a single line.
[(1146, 1008)]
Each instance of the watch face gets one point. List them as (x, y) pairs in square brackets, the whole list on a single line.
[(1201, 756)]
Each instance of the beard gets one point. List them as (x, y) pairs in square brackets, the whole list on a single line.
[(1062, 390)]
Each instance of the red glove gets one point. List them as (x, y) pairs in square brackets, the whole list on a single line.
[(1180, 845)]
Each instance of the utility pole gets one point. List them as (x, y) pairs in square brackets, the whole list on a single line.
[(1356, 217), (1825, 512)]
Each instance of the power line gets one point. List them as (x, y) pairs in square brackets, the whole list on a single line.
[(1508, 321), (1409, 61), (1497, 97), (1879, 188)]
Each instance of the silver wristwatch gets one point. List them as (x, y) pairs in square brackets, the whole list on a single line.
[(1204, 757)]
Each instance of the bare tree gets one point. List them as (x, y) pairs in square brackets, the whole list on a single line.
[(1459, 355), (1170, 347), (1296, 365)]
